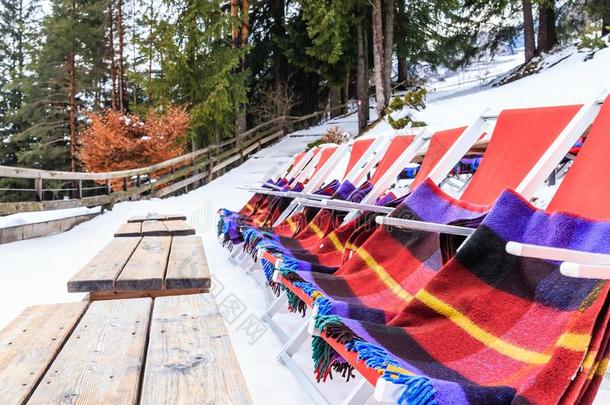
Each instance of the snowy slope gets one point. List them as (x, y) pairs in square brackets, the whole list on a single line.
[(35, 271), (572, 81)]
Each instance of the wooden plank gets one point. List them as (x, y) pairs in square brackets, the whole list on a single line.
[(190, 359), (99, 274), (187, 266), (146, 267), (179, 228), (29, 344), (102, 360), (154, 228), (25, 173), (114, 295), (157, 217)]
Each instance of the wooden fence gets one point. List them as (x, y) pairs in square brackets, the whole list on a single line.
[(77, 189)]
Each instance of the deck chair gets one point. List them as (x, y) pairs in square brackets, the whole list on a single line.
[(395, 363), (573, 196), (529, 132)]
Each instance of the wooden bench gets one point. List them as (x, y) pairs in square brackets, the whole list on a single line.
[(174, 227), (151, 266), (176, 351)]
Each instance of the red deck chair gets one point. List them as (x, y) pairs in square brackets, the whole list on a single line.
[(439, 144)]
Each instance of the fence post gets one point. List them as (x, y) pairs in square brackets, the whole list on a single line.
[(38, 187), (108, 187), (124, 183), (79, 189)]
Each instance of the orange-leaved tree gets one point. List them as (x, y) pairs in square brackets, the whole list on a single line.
[(117, 141)]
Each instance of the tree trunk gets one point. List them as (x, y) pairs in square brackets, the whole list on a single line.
[(606, 18), (121, 64), (528, 30), (378, 59), (334, 96), (388, 47), (278, 31), (241, 39), (403, 72), (72, 75), (150, 50), (234, 17), (345, 94), (110, 22), (362, 85), (547, 32), (245, 21)]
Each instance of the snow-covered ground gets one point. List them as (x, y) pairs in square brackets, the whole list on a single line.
[(35, 271)]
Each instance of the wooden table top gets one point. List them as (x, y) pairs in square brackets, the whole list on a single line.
[(147, 266), (173, 227), (157, 217), (129, 351)]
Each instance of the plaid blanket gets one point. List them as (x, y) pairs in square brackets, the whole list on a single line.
[(322, 235), (264, 213), (390, 265), (490, 328)]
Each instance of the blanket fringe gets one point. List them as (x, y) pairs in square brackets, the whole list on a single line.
[(418, 389)]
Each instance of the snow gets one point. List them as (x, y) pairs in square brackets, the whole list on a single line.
[(571, 81), (36, 271), (43, 216)]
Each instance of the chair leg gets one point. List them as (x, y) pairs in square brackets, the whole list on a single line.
[(276, 305), (245, 260), (308, 385), (361, 393), (296, 341), (236, 253), (268, 318)]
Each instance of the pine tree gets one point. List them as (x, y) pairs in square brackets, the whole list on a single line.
[(17, 27), (199, 68), (65, 74)]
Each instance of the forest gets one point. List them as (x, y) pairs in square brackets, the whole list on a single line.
[(85, 84)]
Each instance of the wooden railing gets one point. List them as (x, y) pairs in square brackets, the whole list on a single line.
[(78, 189)]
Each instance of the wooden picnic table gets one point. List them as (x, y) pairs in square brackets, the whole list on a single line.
[(149, 266), (154, 227), (126, 351)]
